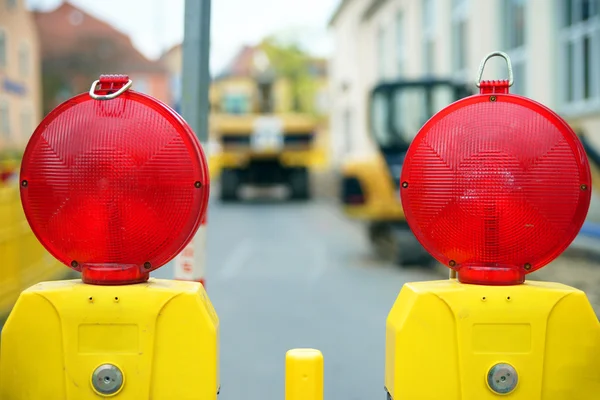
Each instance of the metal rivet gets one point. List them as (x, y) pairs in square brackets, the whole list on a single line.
[(198, 184), (583, 187), (483, 298), (502, 378), (116, 299), (492, 98), (74, 264), (452, 263), (91, 299), (24, 183), (527, 266), (147, 265), (404, 184), (508, 298), (107, 379)]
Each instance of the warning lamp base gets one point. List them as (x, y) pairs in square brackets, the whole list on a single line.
[(447, 340), (117, 274), (490, 275), (160, 338)]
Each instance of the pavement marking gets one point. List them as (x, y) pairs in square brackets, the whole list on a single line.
[(237, 258)]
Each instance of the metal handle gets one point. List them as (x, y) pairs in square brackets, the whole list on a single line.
[(110, 96), (508, 63)]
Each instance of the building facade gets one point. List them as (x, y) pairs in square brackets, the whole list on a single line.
[(554, 46), (20, 86), (76, 48)]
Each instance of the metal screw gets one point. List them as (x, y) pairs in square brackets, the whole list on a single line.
[(74, 264), (198, 184), (24, 183), (502, 378), (107, 379), (492, 98), (452, 263), (527, 266), (404, 184), (583, 187), (147, 265)]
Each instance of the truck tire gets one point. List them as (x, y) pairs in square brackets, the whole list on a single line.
[(299, 183), (229, 185)]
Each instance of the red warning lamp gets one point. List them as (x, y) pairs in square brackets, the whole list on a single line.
[(114, 183), (495, 185)]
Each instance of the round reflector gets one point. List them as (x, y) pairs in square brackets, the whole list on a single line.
[(114, 188), (495, 186)]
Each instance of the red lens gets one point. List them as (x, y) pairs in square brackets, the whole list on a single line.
[(114, 188), (496, 187)]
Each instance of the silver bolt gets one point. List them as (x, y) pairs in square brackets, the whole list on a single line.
[(107, 379), (502, 378)]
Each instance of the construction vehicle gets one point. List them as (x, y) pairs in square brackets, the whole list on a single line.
[(262, 143), (370, 185)]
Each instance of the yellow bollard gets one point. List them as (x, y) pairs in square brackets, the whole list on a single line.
[(303, 374)]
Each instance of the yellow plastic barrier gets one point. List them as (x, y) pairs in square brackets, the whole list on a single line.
[(69, 340), (304, 374), (452, 341), (24, 261)]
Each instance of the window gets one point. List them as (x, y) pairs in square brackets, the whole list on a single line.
[(381, 50), (348, 125), (4, 120), (234, 103), (400, 44), (26, 123), (515, 42), (379, 119), (459, 37), (76, 18), (429, 30), (24, 61), (580, 54), (3, 48)]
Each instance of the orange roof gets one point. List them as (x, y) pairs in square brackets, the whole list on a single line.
[(70, 30)]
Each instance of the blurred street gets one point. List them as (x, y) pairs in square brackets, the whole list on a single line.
[(284, 275)]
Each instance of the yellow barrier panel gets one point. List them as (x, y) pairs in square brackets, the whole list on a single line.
[(68, 340), (453, 341), (25, 262), (304, 374)]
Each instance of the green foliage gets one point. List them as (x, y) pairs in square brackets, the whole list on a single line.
[(293, 63)]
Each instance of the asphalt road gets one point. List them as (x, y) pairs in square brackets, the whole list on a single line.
[(286, 275)]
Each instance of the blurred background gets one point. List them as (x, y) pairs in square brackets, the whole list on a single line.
[(312, 107)]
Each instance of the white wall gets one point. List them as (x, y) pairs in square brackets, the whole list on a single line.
[(347, 102), (356, 57)]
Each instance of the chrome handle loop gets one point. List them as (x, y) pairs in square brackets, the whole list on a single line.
[(110, 96), (508, 63)]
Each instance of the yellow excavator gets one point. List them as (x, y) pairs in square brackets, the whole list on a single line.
[(370, 186), (261, 144)]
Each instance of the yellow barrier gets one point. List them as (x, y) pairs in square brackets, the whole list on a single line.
[(24, 261), (155, 340), (304, 375)]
